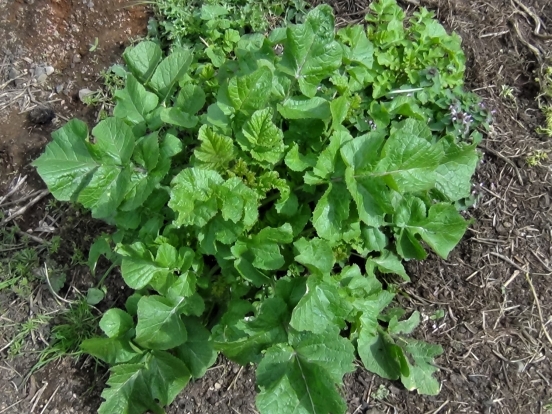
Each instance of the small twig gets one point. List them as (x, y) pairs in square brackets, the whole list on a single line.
[(10, 406), (538, 308), (505, 159), (441, 407), (235, 379), (47, 275), (34, 238), (50, 399), (508, 260), (19, 183), (22, 210)]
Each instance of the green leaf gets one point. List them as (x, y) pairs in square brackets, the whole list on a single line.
[(296, 161), (239, 202), (331, 212), (114, 141), (175, 116), (322, 308), (456, 169), (159, 324), (105, 191), (190, 99), (193, 196), (388, 263), (93, 295), (310, 53), (212, 11), (129, 391), (443, 228), (134, 102), (146, 152), (170, 71), (247, 93), (315, 254), (395, 327), (110, 350), (421, 369), (408, 162), (263, 139), (301, 377), (371, 197), (381, 355), (138, 267), (115, 323), (197, 352), (216, 150), (259, 333), (360, 49), (167, 376), (66, 164), (305, 108), (142, 59), (339, 108)]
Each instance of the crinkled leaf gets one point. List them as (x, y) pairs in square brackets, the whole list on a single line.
[(388, 263), (138, 267), (381, 355), (407, 326), (193, 196), (216, 150), (247, 93), (263, 139)]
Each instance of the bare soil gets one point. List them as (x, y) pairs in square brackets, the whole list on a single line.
[(495, 288)]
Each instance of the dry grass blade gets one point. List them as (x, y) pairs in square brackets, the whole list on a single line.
[(543, 323), (23, 209)]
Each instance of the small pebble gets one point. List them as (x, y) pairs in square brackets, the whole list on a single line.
[(83, 93), (49, 70), (59, 88), (42, 78), (13, 73), (90, 4), (77, 58), (217, 386), (39, 71)]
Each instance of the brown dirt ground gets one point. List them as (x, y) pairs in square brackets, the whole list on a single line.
[(495, 288)]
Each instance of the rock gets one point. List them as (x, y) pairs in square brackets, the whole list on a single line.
[(90, 4), (13, 73), (77, 58), (217, 386), (41, 115), (39, 71), (83, 93), (49, 70), (60, 87), (42, 78)]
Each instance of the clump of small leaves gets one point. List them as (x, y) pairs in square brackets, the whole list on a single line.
[(260, 202)]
